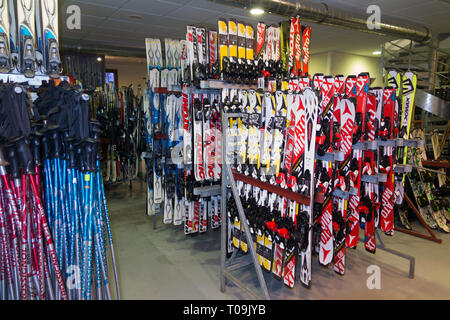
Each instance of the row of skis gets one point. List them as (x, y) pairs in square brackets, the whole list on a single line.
[(273, 52), (235, 53), (184, 152), (331, 135), (191, 120), (29, 41), (122, 116), (429, 188)]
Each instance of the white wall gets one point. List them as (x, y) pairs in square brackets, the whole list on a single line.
[(319, 63), (130, 70), (334, 63)]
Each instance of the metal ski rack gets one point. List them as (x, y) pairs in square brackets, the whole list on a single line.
[(207, 191), (36, 81), (382, 246), (380, 178), (228, 179), (220, 84), (331, 156), (407, 168), (432, 236)]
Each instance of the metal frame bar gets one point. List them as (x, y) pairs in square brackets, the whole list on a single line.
[(411, 51), (431, 237), (382, 246), (233, 263), (225, 269)]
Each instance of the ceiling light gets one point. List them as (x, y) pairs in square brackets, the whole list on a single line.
[(135, 17), (99, 59), (256, 11), (376, 53)]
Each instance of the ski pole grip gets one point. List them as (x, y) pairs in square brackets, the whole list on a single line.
[(71, 155), (13, 162), (25, 156), (36, 149), (56, 144), (46, 146), (65, 144), (89, 155)]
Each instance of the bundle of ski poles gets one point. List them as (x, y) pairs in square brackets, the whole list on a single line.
[(55, 225)]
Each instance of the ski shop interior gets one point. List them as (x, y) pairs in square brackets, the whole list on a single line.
[(247, 149)]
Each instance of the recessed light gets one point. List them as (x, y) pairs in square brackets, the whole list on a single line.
[(135, 17), (376, 53), (256, 11)]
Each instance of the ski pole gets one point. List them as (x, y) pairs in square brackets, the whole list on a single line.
[(101, 244), (48, 239), (73, 258), (65, 224), (77, 228), (40, 251), (5, 255), (108, 226), (14, 232), (88, 234)]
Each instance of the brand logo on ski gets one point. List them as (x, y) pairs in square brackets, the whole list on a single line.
[(306, 39), (347, 129), (371, 108), (199, 150), (339, 265), (326, 234), (387, 208)]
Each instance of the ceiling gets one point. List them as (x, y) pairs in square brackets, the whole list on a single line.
[(110, 23)]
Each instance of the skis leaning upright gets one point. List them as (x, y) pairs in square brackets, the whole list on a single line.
[(311, 104), (52, 60), (27, 37), (5, 58)]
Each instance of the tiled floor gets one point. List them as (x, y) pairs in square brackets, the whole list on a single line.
[(162, 263)]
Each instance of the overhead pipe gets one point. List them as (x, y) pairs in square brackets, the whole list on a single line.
[(321, 13)]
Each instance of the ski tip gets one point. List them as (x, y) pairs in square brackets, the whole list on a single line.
[(341, 273), (307, 285)]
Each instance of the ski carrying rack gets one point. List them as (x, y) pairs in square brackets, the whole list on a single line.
[(229, 178), (407, 168), (429, 163), (35, 81)]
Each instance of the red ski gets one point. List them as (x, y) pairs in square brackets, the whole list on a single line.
[(367, 206), (360, 92), (342, 182), (386, 161), (305, 49)]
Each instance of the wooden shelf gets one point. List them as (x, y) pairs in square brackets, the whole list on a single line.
[(291, 195), (168, 90), (436, 164)]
